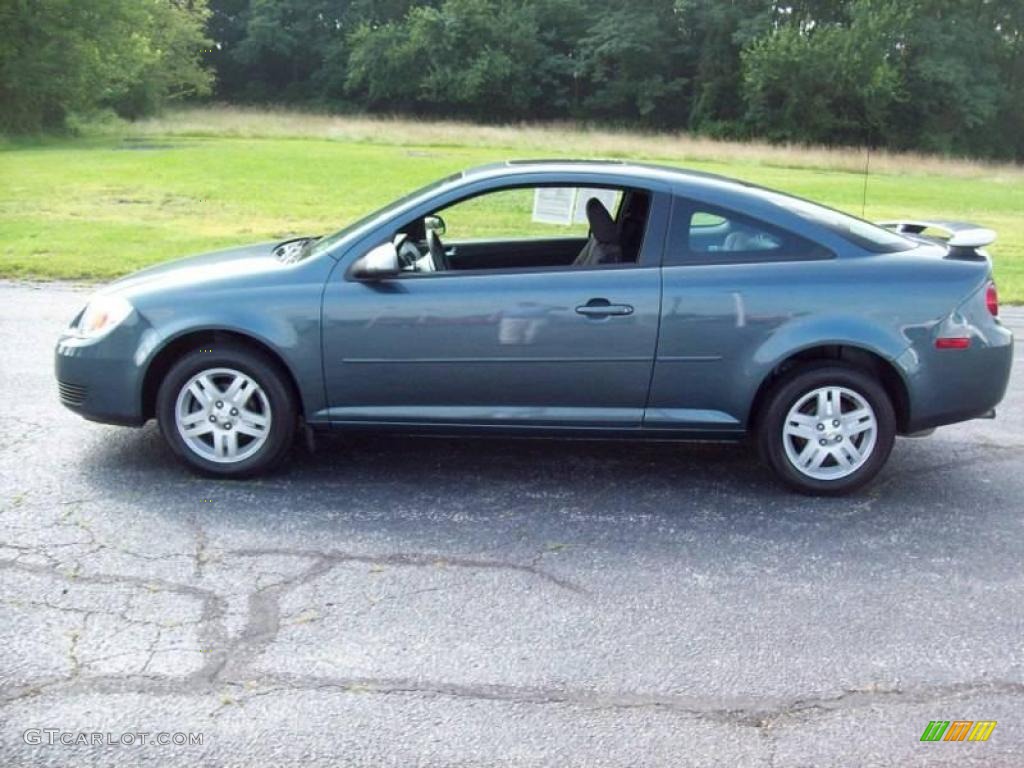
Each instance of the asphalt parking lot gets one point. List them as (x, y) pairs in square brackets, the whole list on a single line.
[(393, 601)]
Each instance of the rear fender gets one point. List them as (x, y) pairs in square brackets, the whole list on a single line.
[(827, 330), (846, 331)]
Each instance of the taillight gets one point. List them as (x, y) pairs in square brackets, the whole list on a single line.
[(992, 298)]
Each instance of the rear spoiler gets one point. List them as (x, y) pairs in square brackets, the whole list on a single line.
[(964, 238)]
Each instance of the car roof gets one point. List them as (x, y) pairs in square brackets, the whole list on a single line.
[(651, 171), (680, 179)]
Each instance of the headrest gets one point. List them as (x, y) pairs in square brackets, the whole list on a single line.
[(602, 227)]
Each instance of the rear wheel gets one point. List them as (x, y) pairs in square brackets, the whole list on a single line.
[(227, 412), (827, 428)]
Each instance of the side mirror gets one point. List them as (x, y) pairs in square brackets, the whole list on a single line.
[(378, 263), (434, 224)]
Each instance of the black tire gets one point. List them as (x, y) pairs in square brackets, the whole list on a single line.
[(270, 379), (795, 385)]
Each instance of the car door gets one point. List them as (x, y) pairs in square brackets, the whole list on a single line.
[(553, 347), (730, 282)]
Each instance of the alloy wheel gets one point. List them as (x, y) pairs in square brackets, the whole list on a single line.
[(830, 433), (223, 415)]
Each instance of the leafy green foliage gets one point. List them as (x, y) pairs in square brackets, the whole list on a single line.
[(936, 75), (62, 56), (471, 56), (836, 82)]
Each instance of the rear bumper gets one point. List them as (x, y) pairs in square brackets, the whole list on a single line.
[(100, 381), (952, 385)]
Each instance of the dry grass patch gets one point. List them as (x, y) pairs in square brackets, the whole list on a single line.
[(559, 139)]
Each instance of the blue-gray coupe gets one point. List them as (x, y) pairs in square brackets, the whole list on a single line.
[(560, 298)]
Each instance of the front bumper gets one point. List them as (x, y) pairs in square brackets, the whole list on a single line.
[(102, 380)]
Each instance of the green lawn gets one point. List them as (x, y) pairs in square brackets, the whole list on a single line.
[(99, 207)]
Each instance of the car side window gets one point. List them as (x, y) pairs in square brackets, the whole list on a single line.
[(704, 234), (528, 228), (525, 213)]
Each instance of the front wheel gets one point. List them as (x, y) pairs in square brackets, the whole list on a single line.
[(227, 411), (827, 428)]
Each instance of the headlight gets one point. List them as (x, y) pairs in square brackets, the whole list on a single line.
[(101, 315)]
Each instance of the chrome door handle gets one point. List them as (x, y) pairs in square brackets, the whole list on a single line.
[(603, 308)]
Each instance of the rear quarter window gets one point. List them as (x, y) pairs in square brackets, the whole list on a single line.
[(703, 234)]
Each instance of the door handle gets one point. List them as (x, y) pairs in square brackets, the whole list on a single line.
[(603, 308)]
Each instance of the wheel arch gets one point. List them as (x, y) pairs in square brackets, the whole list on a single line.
[(888, 374), (173, 348)]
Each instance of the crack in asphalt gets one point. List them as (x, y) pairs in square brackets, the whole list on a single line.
[(229, 665), (416, 560), (761, 713), (231, 656), (200, 557)]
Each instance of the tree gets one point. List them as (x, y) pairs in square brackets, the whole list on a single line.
[(467, 57), (714, 34), (829, 83), (937, 75), (63, 56), (629, 59), (955, 59)]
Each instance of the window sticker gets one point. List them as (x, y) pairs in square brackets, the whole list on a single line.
[(568, 205)]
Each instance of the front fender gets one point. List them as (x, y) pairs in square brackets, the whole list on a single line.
[(284, 319)]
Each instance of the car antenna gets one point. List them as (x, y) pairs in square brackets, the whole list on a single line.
[(864, 196)]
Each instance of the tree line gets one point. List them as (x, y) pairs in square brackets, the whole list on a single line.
[(933, 75)]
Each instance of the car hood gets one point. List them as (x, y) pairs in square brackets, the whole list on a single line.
[(230, 264)]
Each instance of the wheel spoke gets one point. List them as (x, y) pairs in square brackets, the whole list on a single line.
[(808, 454), (201, 395), (835, 399), (251, 417), (847, 455), (239, 385), (190, 419), (841, 457), (801, 430), (226, 445), (823, 407), (201, 428), (856, 415), (858, 421), (251, 430), (853, 451), (819, 458)]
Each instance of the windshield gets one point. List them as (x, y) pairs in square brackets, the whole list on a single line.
[(316, 247), (859, 232)]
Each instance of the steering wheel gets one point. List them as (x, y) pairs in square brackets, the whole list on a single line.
[(437, 254)]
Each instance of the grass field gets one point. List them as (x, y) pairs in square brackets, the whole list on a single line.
[(127, 196)]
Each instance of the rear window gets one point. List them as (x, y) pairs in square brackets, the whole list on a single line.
[(859, 232)]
